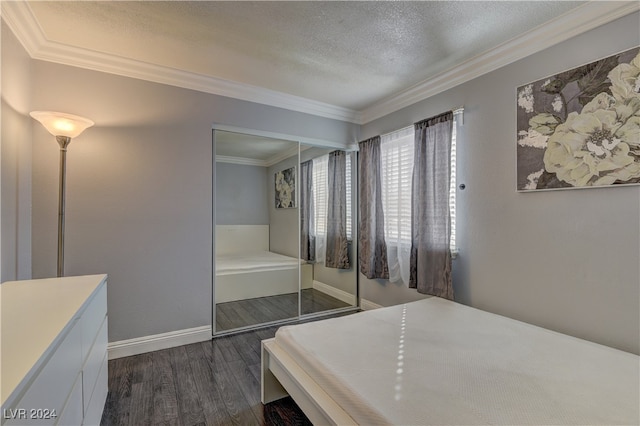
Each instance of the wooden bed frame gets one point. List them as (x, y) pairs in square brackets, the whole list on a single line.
[(282, 376)]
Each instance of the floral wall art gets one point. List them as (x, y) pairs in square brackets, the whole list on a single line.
[(581, 128), (286, 188)]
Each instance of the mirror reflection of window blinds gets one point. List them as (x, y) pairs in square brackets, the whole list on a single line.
[(348, 179), (320, 193), (320, 172)]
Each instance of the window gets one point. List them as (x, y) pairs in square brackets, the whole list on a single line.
[(453, 182), (397, 169), (396, 150)]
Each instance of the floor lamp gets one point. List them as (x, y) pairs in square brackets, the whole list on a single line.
[(64, 127)]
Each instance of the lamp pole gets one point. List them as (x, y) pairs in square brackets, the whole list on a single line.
[(64, 142)]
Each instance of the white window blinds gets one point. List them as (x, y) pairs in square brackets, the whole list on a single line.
[(397, 150), (453, 183)]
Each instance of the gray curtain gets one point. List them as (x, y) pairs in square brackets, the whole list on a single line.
[(337, 254), (430, 261), (372, 247), (307, 243)]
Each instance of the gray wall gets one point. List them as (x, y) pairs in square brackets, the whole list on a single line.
[(565, 260), (139, 201), (15, 146), (241, 195)]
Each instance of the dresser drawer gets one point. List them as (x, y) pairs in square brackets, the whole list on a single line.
[(72, 412), (93, 412), (93, 363), (51, 387), (92, 319)]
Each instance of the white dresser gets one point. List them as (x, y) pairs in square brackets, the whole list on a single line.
[(54, 351)]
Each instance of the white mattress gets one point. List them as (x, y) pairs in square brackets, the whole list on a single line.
[(261, 261), (439, 362)]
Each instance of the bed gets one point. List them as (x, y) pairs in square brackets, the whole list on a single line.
[(438, 362), (246, 269)]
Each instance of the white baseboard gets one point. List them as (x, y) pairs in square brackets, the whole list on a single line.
[(140, 345), (365, 305), (335, 292)]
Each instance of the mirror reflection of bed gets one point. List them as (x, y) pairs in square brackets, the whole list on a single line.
[(260, 277)]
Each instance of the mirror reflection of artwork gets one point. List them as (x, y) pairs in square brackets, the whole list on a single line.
[(286, 188), (580, 128)]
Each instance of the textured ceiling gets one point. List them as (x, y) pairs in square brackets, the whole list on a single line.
[(348, 54)]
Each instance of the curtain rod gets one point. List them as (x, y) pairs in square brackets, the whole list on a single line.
[(397, 130), (457, 110)]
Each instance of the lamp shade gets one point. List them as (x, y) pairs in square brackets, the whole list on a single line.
[(61, 124)]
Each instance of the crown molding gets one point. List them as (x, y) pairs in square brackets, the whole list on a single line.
[(24, 25), (240, 160), (577, 21), (275, 159), (20, 18)]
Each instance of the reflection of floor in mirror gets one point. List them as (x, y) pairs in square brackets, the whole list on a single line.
[(242, 313), (316, 301)]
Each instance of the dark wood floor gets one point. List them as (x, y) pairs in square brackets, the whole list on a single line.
[(210, 383), (243, 313)]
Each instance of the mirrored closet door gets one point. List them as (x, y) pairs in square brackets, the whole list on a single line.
[(256, 262), (328, 275)]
